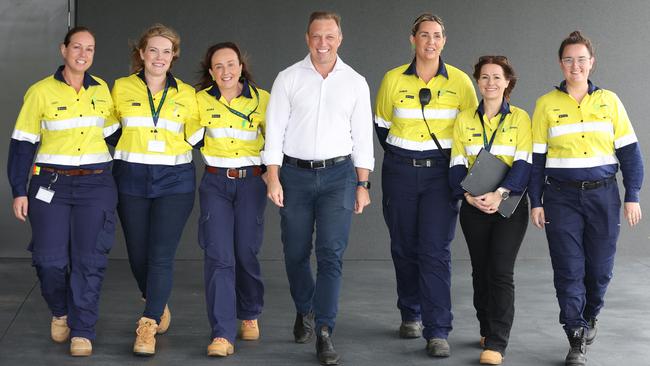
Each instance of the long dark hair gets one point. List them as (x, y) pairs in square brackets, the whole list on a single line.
[(205, 80)]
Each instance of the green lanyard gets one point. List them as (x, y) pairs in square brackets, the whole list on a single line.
[(155, 113), (242, 115), (487, 145)]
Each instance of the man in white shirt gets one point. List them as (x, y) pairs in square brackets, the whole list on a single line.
[(319, 124)]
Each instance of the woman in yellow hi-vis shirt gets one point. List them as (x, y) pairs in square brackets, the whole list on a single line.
[(71, 197), (581, 134), (154, 172), (417, 104), (493, 241), (232, 195)]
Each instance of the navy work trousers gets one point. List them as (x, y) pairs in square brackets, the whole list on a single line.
[(421, 217), (323, 198), (493, 242), (582, 228), (152, 229), (231, 229), (71, 238)]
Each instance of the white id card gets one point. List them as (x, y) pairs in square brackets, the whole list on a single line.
[(156, 146), (44, 194)]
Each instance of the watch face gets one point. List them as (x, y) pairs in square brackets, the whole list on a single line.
[(505, 195)]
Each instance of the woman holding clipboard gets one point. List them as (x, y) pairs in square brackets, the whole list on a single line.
[(493, 241)]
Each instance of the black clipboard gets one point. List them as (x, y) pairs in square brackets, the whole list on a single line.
[(486, 175)]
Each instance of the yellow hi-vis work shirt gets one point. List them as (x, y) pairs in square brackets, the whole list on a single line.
[(231, 141), (513, 140), (178, 124), (70, 126), (398, 107), (580, 135)]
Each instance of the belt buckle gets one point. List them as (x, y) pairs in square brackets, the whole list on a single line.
[(418, 165), (317, 164), (583, 185), (239, 173)]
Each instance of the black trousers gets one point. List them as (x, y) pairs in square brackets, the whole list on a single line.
[(493, 243)]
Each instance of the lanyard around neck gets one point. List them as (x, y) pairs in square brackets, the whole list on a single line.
[(487, 145), (155, 113), (240, 114)]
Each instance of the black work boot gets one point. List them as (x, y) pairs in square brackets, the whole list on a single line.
[(303, 327), (590, 335), (325, 349), (577, 353)]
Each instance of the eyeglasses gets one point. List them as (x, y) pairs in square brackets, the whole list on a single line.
[(570, 61)]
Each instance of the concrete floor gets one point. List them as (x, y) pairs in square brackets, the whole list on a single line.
[(366, 332)]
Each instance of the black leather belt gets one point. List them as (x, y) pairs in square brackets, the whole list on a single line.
[(314, 164), (583, 185), (420, 163)]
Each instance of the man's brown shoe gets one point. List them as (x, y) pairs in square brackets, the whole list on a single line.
[(249, 331), (145, 339), (80, 347), (220, 347), (59, 330)]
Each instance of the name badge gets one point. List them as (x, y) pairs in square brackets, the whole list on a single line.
[(156, 146), (44, 194)]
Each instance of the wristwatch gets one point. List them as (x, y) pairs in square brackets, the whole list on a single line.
[(504, 193), (364, 183)]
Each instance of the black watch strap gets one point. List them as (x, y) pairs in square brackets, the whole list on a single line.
[(363, 183)]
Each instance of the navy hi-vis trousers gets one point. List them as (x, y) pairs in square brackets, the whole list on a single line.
[(421, 217), (231, 230), (71, 238), (582, 229)]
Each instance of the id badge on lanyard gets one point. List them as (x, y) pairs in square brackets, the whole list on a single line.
[(156, 145), (46, 194)]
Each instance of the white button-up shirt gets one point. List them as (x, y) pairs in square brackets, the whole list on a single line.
[(312, 118)]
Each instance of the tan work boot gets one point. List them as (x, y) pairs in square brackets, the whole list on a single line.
[(165, 319), (249, 331), (145, 339), (59, 330), (80, 346), (220, 347), (489, 357)]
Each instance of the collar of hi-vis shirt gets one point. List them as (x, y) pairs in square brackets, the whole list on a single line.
[(590, 89), (442, 70), (338, 64), (245, 91), (87, 82), (170, 79), (504, 109)]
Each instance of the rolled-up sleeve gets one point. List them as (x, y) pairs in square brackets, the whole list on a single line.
[(361, 128), (277, 119)]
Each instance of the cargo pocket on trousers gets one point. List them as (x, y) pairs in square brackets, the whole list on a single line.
[(106, 235)]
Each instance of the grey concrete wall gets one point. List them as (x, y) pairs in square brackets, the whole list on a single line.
[(375, 40)]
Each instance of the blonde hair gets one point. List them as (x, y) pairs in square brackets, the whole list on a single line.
[(427, 17), (156, 30)]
